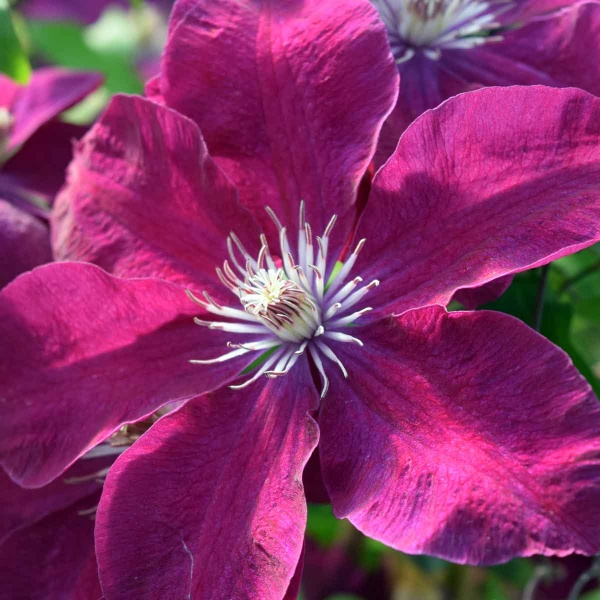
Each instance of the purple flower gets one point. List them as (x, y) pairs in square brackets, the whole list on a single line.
[(465, 435), (74, 10), (35, 150), (443, 48)]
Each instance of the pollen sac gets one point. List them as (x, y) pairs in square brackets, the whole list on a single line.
[(281, 304)]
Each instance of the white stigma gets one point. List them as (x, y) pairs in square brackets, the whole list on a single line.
[(431, 26), (299, 304)]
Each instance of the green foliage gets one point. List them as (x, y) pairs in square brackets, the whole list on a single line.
[(13, 59), (66, 44), (571, 308), (322, 526)]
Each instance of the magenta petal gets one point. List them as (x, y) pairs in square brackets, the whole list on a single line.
[(526, 9), (482, 295), (21, 507), (52, 559), (8, 90), (293, 591), (476, 441), (144, 198), (559, 50), (563, 46), (40, 164), (24, 242), (50, 92), (491, 183), (289, 95), (419, 91), (83, 352), (209, 503), (67, 10)]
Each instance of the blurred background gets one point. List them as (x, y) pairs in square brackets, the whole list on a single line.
[(123, 41)]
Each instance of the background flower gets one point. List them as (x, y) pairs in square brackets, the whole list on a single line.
[(35, 149)]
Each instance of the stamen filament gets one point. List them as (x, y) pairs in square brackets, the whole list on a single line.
[(289, 307)]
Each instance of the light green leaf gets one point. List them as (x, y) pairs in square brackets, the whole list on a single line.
[(64, 44), (13, 60)]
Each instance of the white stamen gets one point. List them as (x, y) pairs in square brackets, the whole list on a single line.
[(219, 359), (232, 327), (288, 307), (328, 352), (431, 26), (264, 367), (319, 365)]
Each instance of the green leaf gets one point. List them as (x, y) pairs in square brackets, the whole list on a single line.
[(370, 553), (517, 572), (493, 589), (322, 526), (65, 44), (588, 309), (556, 326), (519, 301), (13, 60)]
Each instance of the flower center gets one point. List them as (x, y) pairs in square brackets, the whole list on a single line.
[(282, 305), (435, 25), (301, 303)]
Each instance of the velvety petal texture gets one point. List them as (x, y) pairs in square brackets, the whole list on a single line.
[(209, 502), (21, 507), (482, 295), (8, 90), (289, 95), (474, 193), (41, 163), (560, 50), (54, 558), (563, 46), (24, 242), (47, 535), (144, 198), (50, 92), (478, 443), (90, 352), (526, 9)]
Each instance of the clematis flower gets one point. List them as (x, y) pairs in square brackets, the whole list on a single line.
[(34, 153), (464, 435), (445, 47)]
